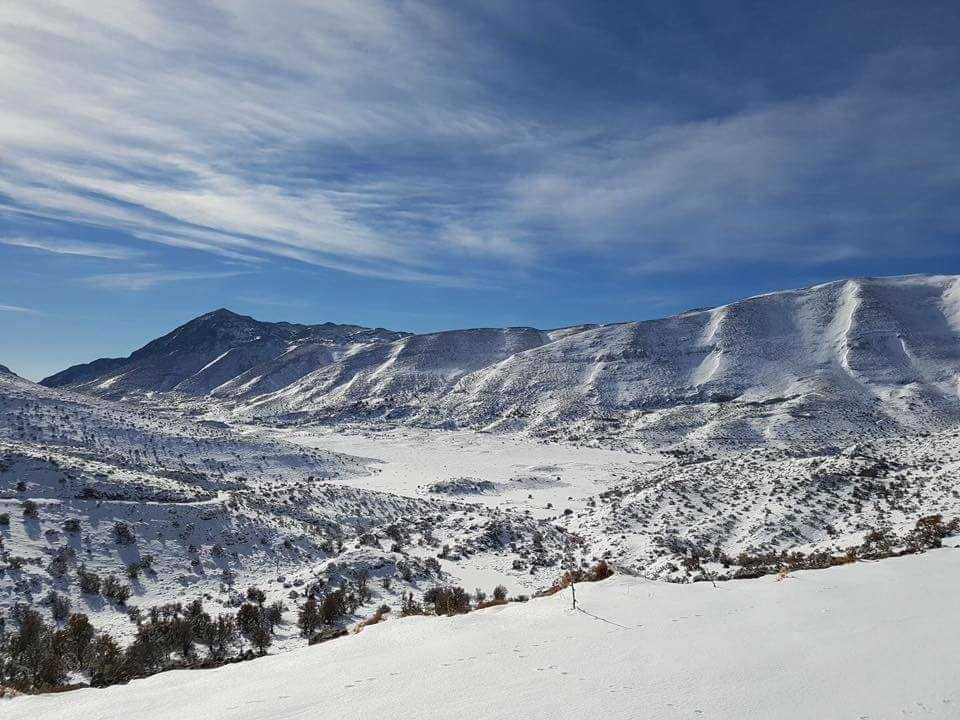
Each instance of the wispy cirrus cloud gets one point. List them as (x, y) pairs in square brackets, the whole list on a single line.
[(432, 143), (73, 247), (138, 281), (861, 172), (20, 310), (191, 125)]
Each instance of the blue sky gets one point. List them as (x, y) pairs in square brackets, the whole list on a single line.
[(424, 166)]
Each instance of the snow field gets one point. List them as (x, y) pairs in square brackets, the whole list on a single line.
[(872, 640)]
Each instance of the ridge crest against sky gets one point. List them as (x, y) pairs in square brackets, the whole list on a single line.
[(421, 165)]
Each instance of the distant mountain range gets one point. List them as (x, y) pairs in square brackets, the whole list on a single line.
[(817, 365)]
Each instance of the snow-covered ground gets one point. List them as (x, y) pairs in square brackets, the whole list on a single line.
[(866, 641), (221, 508), (525, 474), (710, 445)]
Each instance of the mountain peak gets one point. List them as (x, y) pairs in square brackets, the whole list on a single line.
[(222, 312)]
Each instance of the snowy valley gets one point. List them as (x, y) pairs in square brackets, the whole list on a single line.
[(791, 444)]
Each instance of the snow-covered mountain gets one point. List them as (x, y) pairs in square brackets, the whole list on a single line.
[(221, 347), (816, 365)]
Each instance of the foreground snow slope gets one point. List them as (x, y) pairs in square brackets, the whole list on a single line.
[(872, 640)]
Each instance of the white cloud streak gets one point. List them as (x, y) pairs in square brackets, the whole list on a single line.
[(139, 281), (20, 310), (73, 247)]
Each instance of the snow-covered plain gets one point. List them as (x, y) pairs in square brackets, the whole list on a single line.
[(870, 641), (525, 473)]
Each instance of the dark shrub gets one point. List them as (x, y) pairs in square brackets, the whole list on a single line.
[(59, 605), (123, 534), (105, 661), (308, 619), (71, 526), (89, 581), (114, 590), (448, 600), (333, 608), (77, 637)]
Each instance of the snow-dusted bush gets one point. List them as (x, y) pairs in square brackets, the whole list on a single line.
[(448, 600), (114, 590), (89, 581), (123, 534), (59, 605), (71, 526)]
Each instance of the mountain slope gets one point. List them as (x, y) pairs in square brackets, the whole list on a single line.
[(213, 349), (215, 510), (817, 365), (865, 640)]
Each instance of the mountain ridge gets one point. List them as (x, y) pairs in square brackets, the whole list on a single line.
[(786, 366), (204, 352)]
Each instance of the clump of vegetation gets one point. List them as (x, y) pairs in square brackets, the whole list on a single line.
[(114, 590), (255, 627), (499, 597), (71, 526), (144, 564), (878, 543), (334, 607), (123, 534), (59, 563), (409, 606), (59, 605), (600, 571), (32, 660), (308, 619), (89, 581), (31, 510), (448, 600)]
